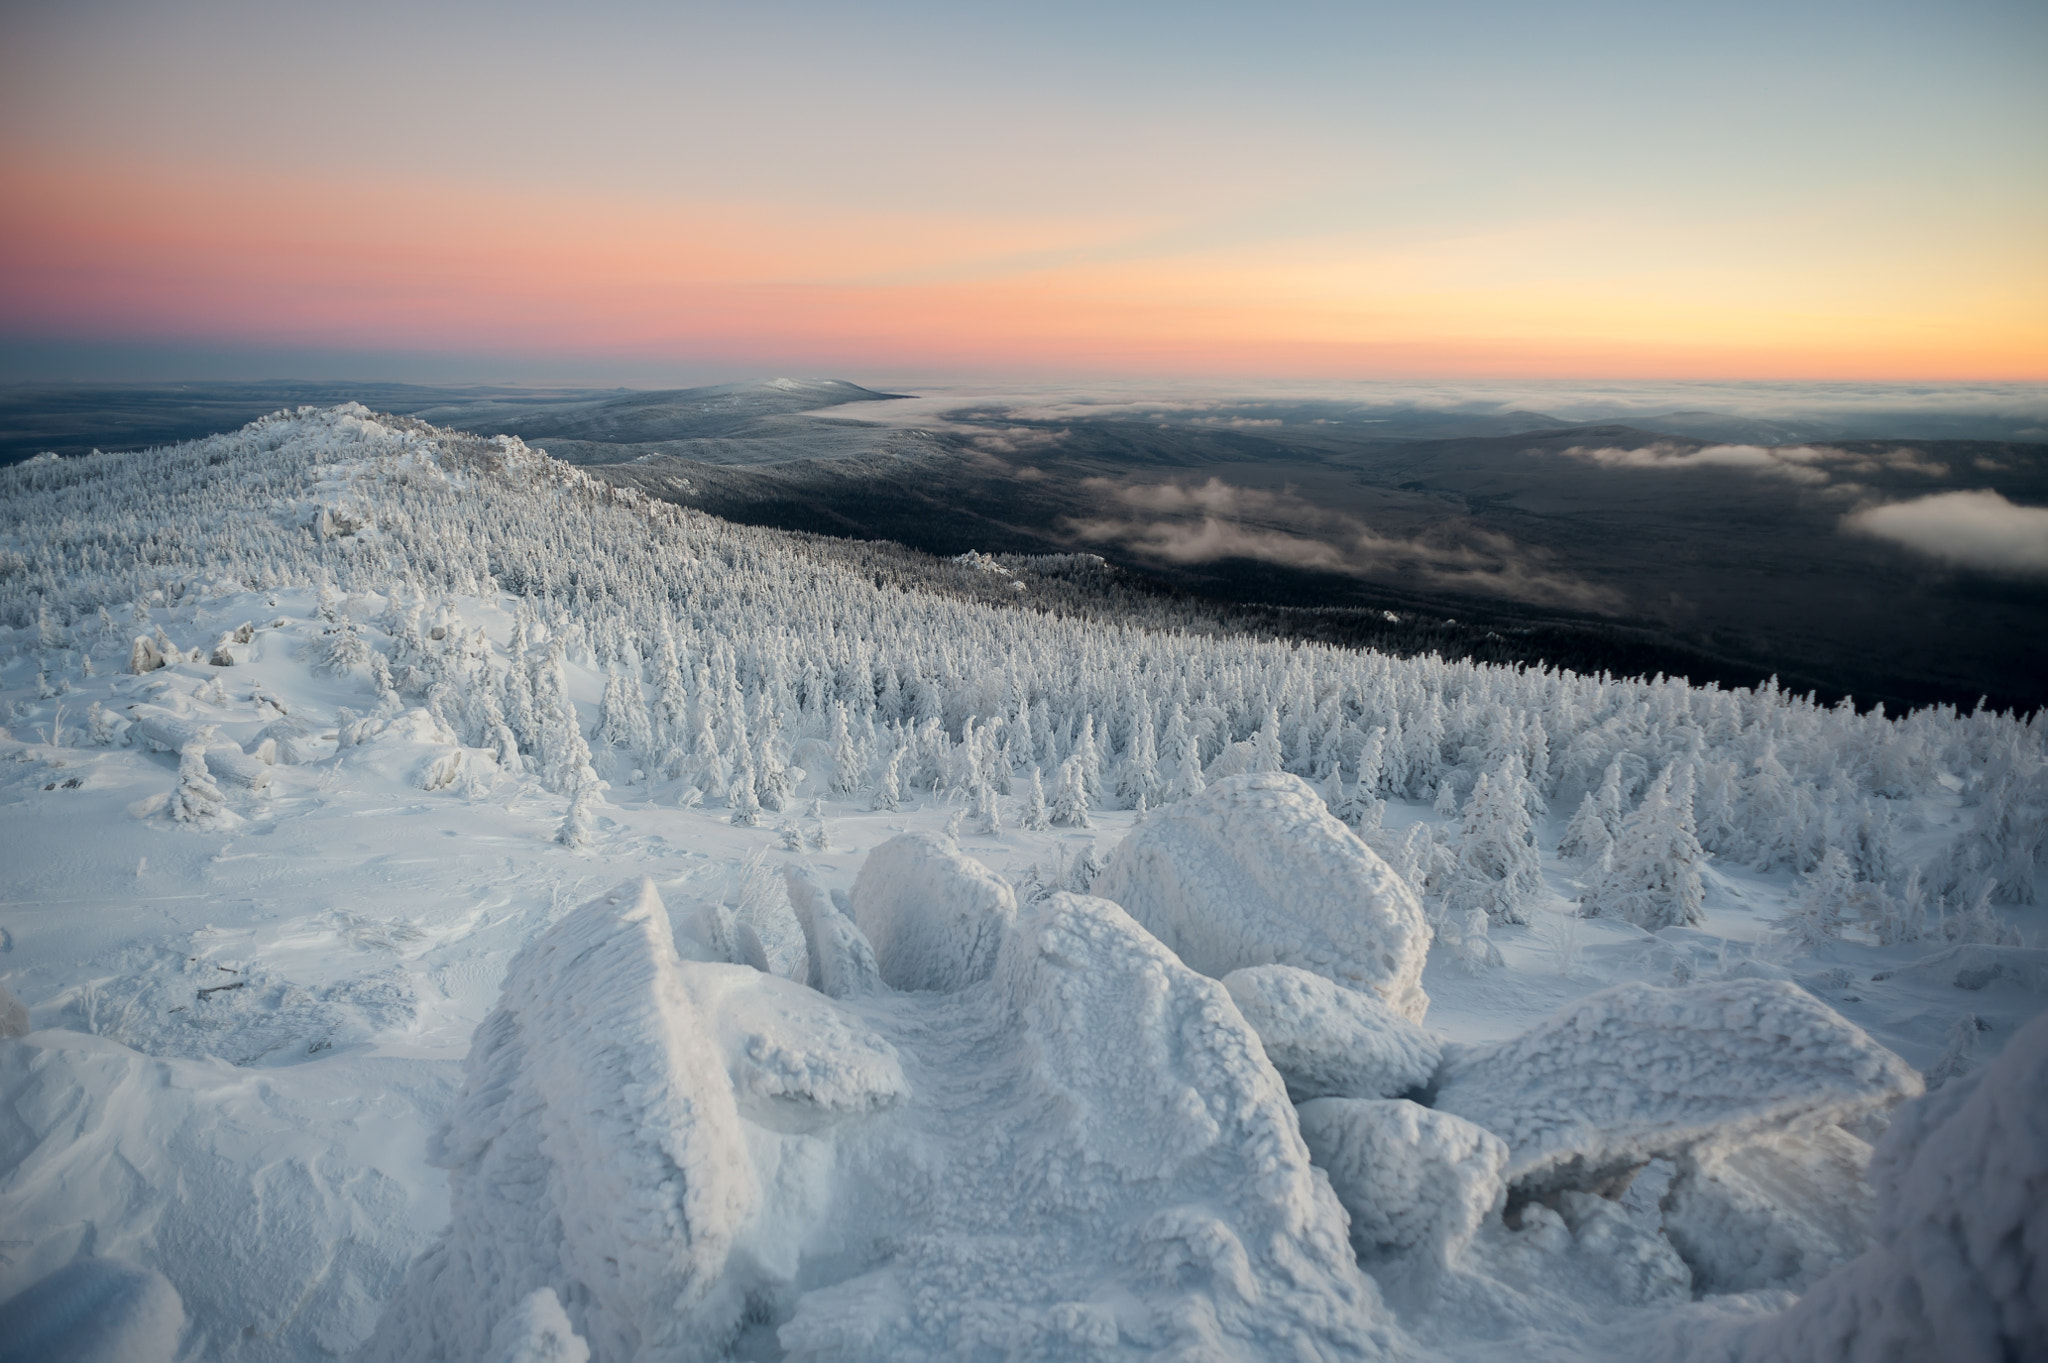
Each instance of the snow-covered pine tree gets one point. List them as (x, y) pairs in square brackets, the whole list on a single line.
[(742, 799), (1035, 818), (1184, 752), (1497, 869), (1070, 797), (889, 790), (1653, 879), (988, 820), (1138, 778), (579, 825), (849, 766), (197, 801)]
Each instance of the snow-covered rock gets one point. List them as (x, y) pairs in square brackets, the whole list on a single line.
[(1255, 871), (841, 960), (94, 1311), (596, 1150), (1083, 1154), (936, 918), (1415, 1182), (1960, 1268), (1775, 1212), (1331, 1042), (1639, 1071)]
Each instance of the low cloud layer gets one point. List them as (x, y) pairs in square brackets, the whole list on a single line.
[(1794, 463), (1203, 523), (1809, 464), (1972, 529)]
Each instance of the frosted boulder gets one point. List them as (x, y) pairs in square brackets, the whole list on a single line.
[(1255, 871), (1960, 1268), (94, 1311), (1416, 1182), (1328, 1041), (596, 1150), (841, 960), (1775, 1212), (1637, 1071), (935, 917)]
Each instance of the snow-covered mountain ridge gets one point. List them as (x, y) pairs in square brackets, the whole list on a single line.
[(449, 635)]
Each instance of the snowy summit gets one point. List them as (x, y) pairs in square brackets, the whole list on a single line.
[(460, 910)]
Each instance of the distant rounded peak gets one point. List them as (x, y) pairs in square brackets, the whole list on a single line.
[(838, 388)]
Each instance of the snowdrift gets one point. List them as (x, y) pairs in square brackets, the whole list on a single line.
[(1255, 871)]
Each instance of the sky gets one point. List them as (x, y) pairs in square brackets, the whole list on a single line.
[(655, 193)]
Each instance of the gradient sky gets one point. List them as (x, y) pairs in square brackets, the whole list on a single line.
[(626, 192)]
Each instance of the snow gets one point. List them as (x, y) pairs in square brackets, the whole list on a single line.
[(1001, 1120), (94, 1311), (1331, 1042), (1638, 1071), (1090, 1149), (1255, 871), (271, 1199)]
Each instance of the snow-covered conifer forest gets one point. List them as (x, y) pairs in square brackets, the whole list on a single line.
[(457, 909)]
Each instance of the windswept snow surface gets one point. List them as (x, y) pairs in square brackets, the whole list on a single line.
[(261, 991)]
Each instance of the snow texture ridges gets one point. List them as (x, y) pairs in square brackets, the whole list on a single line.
[(1639, 1071), (1331, 1042), (1255, 871)]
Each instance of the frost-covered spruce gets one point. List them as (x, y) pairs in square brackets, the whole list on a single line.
[(197, 801), (889, 790), (579, 825), (1035, 818), (1497, 870), (1653, 874)]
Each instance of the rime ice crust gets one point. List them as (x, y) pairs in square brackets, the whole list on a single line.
[(596, 1150), (1331, 1042), (1255, 871), (934, 917), (1639, 1071)]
